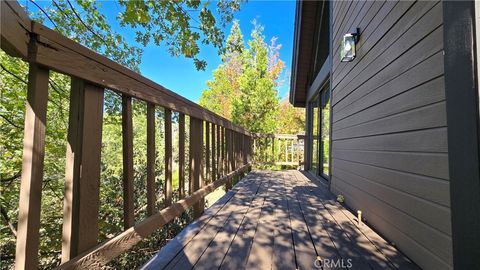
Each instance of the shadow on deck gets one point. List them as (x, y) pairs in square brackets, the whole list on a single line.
[(278, 220)]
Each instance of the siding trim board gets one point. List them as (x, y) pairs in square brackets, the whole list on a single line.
[(461, 88)]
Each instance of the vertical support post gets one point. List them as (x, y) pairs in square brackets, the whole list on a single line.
[(214, 165), (168, 157), (82, 169), (151, 155), (181, 155), (207, 152), (32, 169), (127, 132), (196, 143)]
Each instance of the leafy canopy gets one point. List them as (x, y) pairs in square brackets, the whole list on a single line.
[(180, 25)]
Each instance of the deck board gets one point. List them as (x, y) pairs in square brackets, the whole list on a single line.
[(277, 220)]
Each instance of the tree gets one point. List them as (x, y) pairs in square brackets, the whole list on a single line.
[(243, 88), (291, 120), (224, 87)]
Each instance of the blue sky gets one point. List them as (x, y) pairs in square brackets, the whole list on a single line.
[(180, 75)]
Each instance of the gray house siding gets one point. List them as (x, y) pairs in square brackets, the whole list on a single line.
[(389, 129)]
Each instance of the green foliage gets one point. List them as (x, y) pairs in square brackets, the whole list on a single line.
[(244, 86), (291, 120), (180, 26)]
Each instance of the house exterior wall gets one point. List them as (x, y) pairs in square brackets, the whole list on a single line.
[(389, 130)]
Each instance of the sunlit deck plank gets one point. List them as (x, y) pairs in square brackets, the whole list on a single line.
[(276, 220)]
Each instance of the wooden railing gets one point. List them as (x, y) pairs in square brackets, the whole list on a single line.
[(218, 150), (278, 149)]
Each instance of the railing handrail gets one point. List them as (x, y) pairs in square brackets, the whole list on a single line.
[(278, 135), (37, 43)]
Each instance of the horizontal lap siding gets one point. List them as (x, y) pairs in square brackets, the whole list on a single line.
[(389, 136)]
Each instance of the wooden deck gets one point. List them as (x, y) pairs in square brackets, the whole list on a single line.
[(278, 220)]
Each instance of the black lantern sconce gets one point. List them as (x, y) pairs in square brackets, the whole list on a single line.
[(348, 49)]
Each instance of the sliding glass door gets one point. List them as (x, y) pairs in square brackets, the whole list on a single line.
[(314, 113), (324, 116), (319, 136)]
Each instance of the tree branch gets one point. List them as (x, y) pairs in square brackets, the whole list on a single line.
[(10, 122), (7, 219), (11, 178)]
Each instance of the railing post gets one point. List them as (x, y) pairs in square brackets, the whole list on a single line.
[(196, 146), (82, 169), (26, 256), (127, 140), (151, 156), (181, 154), (168, 157)]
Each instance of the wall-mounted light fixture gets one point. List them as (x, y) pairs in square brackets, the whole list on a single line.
[(348, 49)]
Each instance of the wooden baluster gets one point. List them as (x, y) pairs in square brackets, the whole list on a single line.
[(232, 151), (214, 165), (286, 149), (207, 152), (229, 152), (32, 169), (266, 150), (291, 150), (181, 155), (82, 169), (191, 134), (127, 136), (196, 143), (246, 149), (224, 161), (168, 157), (151, 156), (219, 164), (273, 149), (254, 149)]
